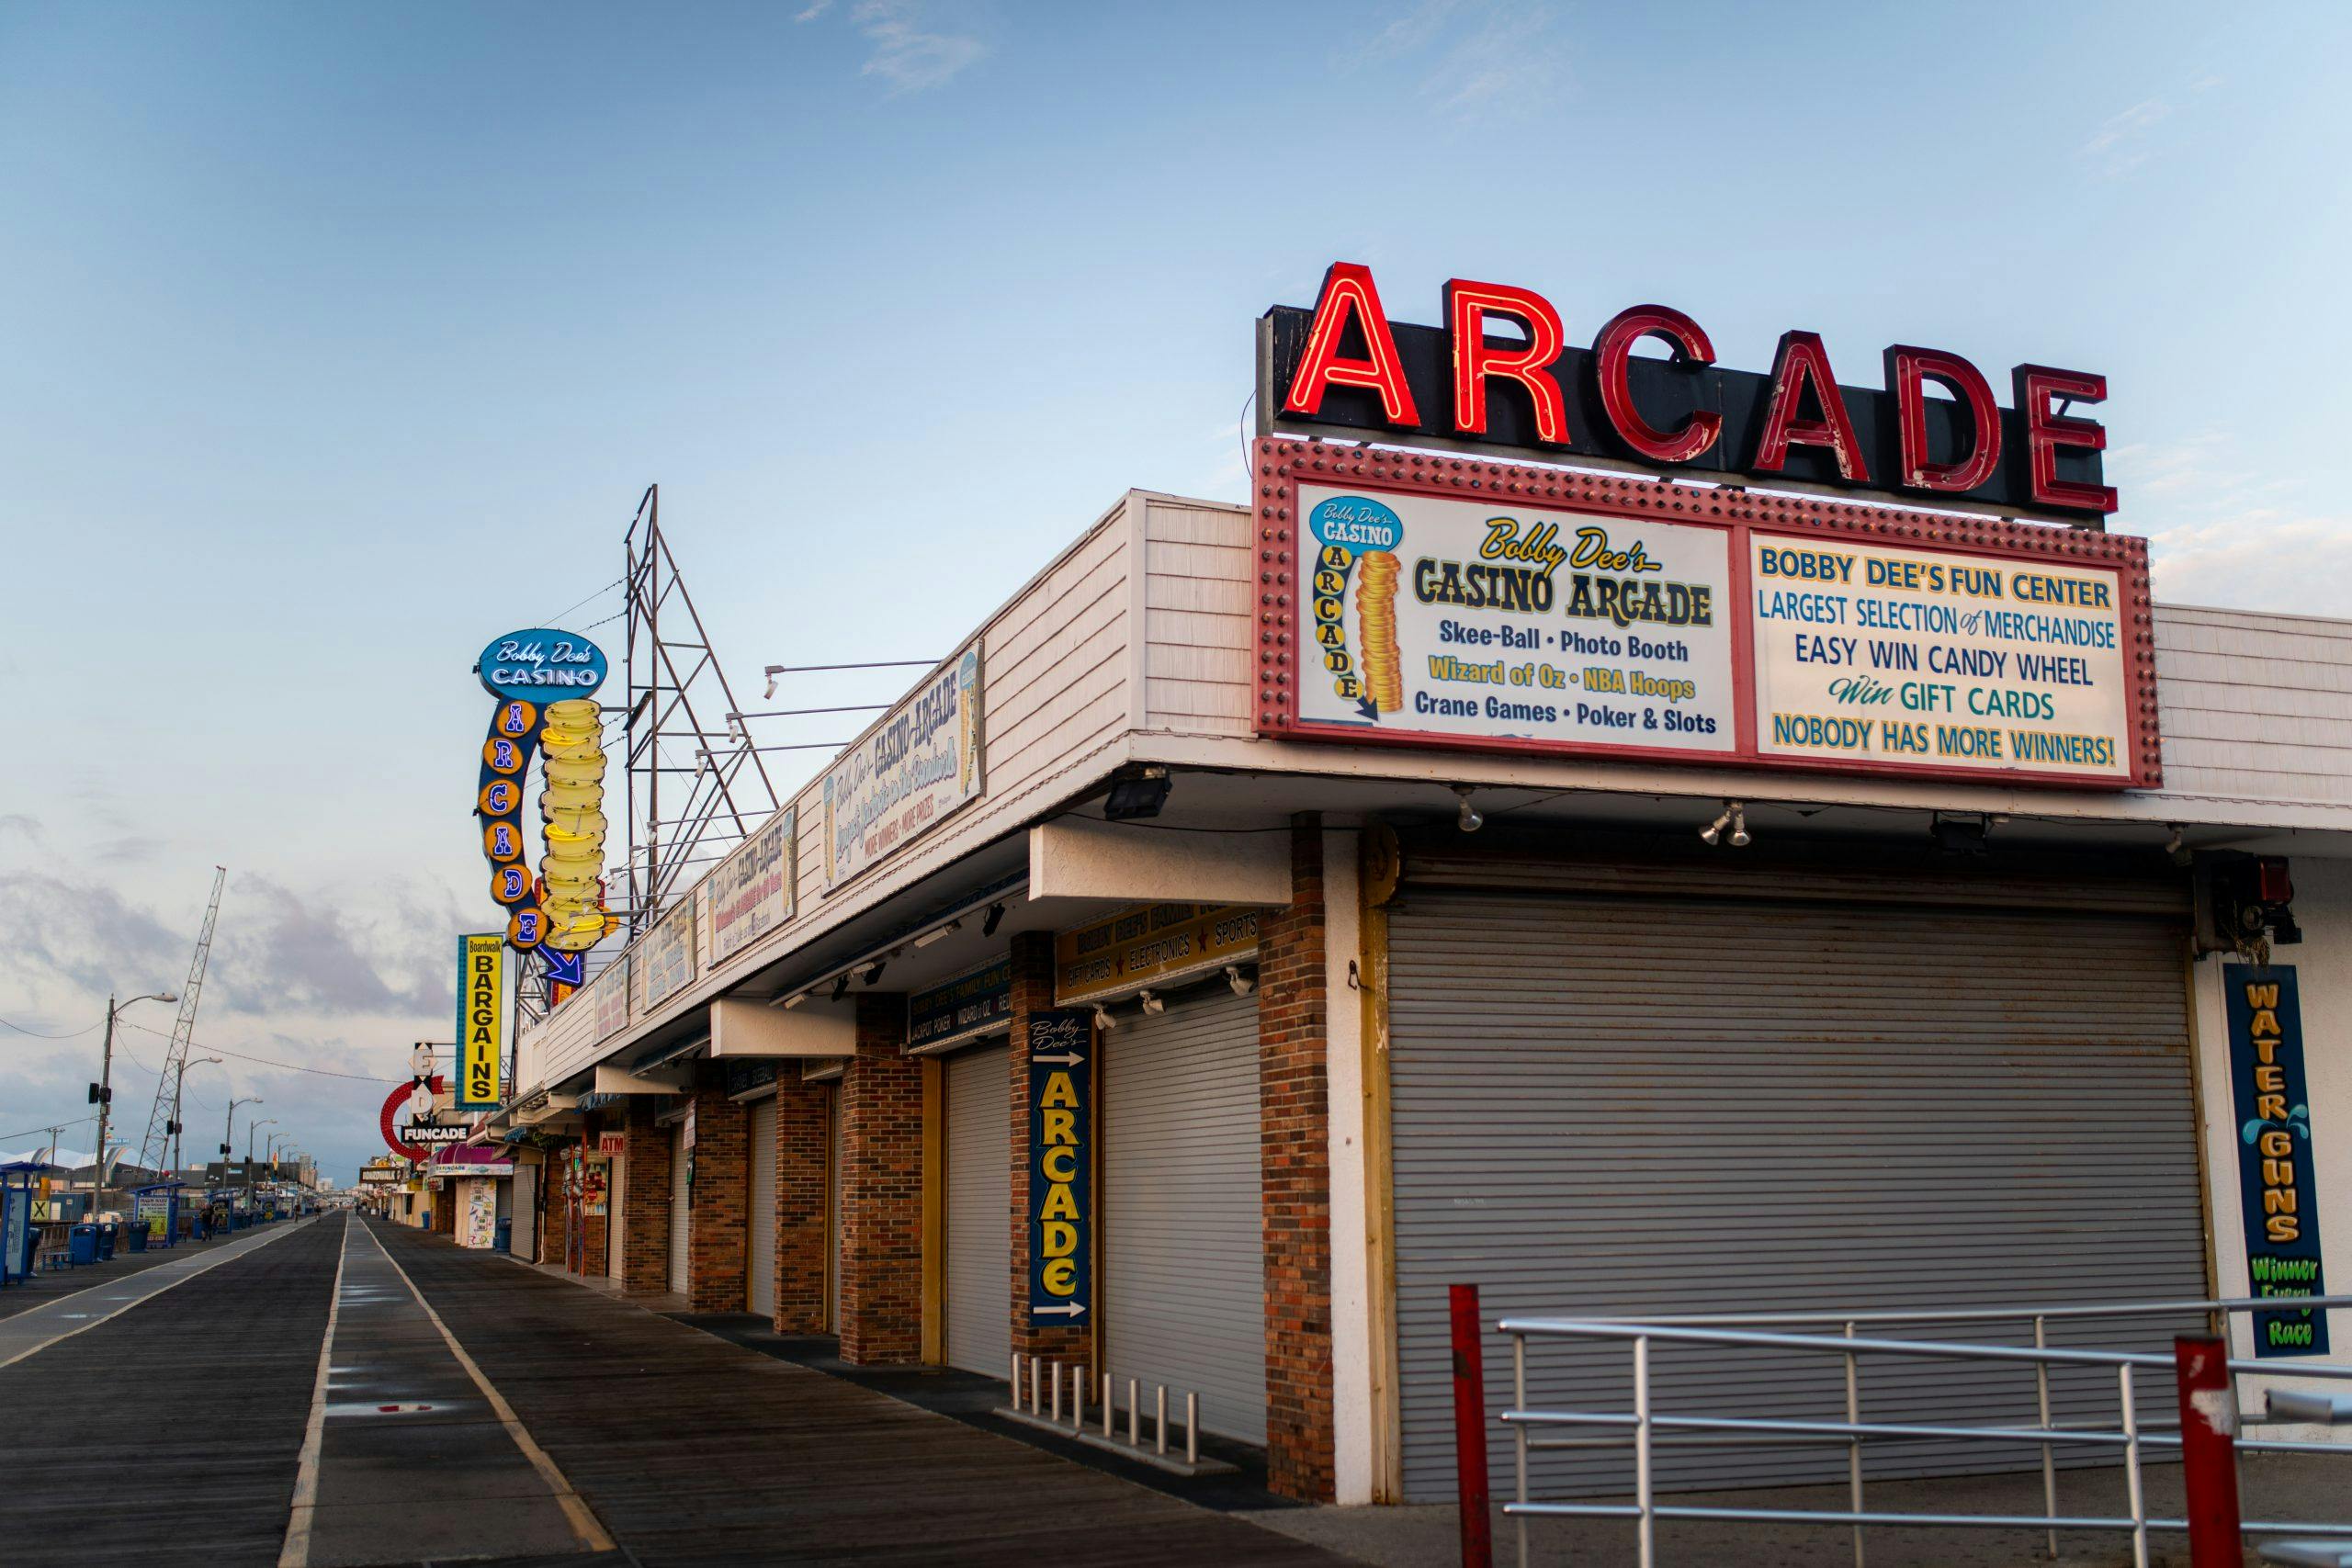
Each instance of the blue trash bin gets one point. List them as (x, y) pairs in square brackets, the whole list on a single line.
[(137, 1237), (82, 1245), (502, 1237)]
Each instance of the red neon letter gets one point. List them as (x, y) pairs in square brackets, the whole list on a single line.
[(1907, 371), (2046, 431), (1614, 347), (1348, 292), (1802, 361), (1475, 359)]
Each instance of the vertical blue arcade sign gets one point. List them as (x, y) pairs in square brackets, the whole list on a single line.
[(1061, 1161), (2278, 1184)]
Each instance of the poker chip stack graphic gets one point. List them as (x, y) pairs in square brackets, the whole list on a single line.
[(1384, 679)]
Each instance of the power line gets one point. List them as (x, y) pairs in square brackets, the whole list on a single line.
[(37, 1034), (49, 1127), (569, 608), (267, 1062)]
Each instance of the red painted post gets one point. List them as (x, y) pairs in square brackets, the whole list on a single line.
[(2209, 1425), (1470, 1429)]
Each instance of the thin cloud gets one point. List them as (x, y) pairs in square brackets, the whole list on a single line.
[(2117, 147), (1485, 59), (23, 823), (132, 849), (907, 54)]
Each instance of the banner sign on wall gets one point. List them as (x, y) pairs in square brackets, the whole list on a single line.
[(609, 994), (527, 672), (909, 774), (750, 893), (956, 1010), (2277, 1182), (1061, 1159), (481, 1019), (668, 954), (1450, 603), (1149, 943)]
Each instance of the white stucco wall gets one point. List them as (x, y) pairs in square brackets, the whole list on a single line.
[(2322, 966), (1351, 1283)]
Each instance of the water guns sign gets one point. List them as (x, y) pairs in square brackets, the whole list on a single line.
[(2278, 1178), (546, 685)]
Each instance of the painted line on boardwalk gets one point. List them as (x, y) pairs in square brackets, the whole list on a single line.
[(575, 1507), (295, 1551), (31, 1314)]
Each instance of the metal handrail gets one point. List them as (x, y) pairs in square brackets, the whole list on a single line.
[(1985, 1315), (1646, 1430)]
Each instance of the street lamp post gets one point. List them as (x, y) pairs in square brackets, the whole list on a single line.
[(106, 1090), (264, 1121), (179, 1149)]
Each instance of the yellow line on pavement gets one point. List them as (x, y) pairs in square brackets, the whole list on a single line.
[(575, 1509)]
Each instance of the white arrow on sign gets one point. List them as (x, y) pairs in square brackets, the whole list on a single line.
[(1068, 1309), (1068, 1059)]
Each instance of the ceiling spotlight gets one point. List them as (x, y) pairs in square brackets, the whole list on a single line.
[(937, 932), (1151, 1004), (2178, 848), (1714, 832), (873, 976), (795, 999), (1468, 819), (1138, 793), (995, 919), (1242, 984), (840, 987), (1738, 826), (1102, 1019)]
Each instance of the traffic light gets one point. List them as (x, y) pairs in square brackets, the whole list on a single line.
[(101, 1094), (2244, 902)]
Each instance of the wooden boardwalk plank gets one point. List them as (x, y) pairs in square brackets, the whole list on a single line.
[(694, 1452)]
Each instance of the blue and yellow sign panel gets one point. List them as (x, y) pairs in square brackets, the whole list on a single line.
[(1061, 1161), (481, 1018), (2277, 1182)]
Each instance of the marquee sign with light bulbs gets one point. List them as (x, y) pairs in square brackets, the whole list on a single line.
[(1429, 599)]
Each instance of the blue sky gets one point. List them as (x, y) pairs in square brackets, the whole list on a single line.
[(334, 340)]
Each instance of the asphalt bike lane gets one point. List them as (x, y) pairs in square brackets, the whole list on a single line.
[(164, 1427)]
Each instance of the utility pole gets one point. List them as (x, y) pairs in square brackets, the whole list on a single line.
[(103, 1092), (264, 1121)]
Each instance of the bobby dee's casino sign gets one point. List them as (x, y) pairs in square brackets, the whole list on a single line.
[(1428, 599)]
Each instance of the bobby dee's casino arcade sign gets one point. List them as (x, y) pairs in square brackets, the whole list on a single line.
[(1433, 600)]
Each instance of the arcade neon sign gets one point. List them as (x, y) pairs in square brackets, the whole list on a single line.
[(1345, 367)]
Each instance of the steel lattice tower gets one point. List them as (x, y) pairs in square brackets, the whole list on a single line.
[(156, 1145)]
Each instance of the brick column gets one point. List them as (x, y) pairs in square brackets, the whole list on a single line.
[(799, 1204), (881, 1242), (597, 1229), (554, 1216), (644, 1228), (1295, 1162), (1033, 991), (715, 1203)]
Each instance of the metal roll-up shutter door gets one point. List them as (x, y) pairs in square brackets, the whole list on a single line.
[(980, 1211), (1184, 1277), (615, 1218), (1630, 1106), (759, 1211), (679, 1218)]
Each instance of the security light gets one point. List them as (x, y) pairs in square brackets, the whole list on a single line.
[(1138, 793), (1469, 819), (995, 919)]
